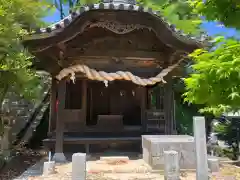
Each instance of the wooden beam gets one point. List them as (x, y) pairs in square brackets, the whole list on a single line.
[(108, 62), (113, 59), (73, 53)]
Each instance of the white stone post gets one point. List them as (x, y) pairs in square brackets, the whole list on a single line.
[(213, 164), (79, 166), (201, 147), (48, 168), (171, 165)]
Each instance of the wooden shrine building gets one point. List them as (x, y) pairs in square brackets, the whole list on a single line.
[(112, 66)]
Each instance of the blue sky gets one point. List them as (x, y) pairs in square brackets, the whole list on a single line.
[(212, 28)]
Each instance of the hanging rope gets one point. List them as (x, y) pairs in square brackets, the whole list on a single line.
[(119, 75)]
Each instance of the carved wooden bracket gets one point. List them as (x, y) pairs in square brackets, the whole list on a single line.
[(117, 27)]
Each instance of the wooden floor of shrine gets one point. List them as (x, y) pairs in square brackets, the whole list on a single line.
[(128, 141), (97, 143)]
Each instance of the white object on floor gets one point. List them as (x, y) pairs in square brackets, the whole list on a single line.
[(171, 165), (48, 168), (213, 164), (79, 166)]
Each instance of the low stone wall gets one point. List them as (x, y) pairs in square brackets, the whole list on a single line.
[(155, 145)]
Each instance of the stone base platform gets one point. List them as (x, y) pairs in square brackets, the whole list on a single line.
[(154, 146)]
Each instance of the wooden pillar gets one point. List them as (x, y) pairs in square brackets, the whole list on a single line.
[(169, 106), (143, 108), (172, 109), (59, 156), (174, 115), (84, 103), (52, 112)]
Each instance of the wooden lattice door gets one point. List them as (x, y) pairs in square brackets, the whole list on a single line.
[(155, 114)]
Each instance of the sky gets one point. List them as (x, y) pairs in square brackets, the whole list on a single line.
[(212, 28)]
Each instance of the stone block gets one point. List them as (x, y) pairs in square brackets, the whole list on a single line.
[(48, 168), (201, 148), (79, 166), (213, 164), (157, 162), (155, 145), (171, 165), (146, 156)]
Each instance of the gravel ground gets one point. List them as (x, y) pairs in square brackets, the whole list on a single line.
[(120, 170), (130, 170)]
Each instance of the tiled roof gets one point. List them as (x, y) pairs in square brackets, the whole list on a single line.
[(59, 26)]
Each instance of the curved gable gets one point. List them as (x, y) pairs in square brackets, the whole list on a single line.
[(126, 14)]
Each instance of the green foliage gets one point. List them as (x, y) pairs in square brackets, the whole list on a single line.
[(177, 12), (228, 152), (16, 17), (225, 11), (184, 119), (216, 81), (222, 152), (228, 132), (223, 129)]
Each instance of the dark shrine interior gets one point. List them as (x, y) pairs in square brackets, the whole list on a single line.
[(118, 98)]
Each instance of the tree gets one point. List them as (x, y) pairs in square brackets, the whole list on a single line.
[(228, 130), (177, 12), (224, 11), (17, 17), (215, 82)]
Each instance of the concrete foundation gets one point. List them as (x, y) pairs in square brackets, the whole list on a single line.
[(155, 145)]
